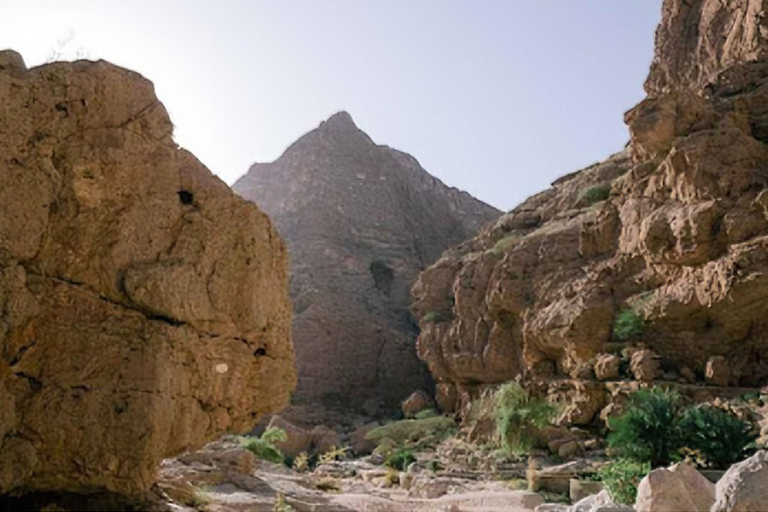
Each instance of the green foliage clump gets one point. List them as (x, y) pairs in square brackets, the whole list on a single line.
[(426, 413), (622, 477), (718, 437), (420, 431), (595, 194), (437, 317), (400, 458), (264, 447), (628, 324), (505, 244), (649, 431), (657, 429), (518, 417)]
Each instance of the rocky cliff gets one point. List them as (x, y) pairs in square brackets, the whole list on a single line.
[(652, 265), (143, 306), (361, 221)]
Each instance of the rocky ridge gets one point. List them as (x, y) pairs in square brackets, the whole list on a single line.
[(656, 256), (143, 306), (361, 221)]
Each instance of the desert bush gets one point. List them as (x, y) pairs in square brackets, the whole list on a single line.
[(628, 324), (621, 478), (518, 417), (400, 458), (419, 431), (595, 194), (426, 413), (719, 437), (505, 244), (264, 447), (649, 431)]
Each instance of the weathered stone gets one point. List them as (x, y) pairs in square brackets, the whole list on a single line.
[(592, 503), (645, 366), (446, 397), (679, 488), (143, 306), (717, 371), (581, 489), (418, 401), (361, 445), (744, 487), (361, 221), (607, 367)]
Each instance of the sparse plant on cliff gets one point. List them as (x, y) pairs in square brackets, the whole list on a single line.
[(595, 194), (628, 324), (621, 478), (518, 417), (264, 447), (649, 431), (719, 437), (333, 455), (437, 317), (505, 244), (301, 462), (282, 505)]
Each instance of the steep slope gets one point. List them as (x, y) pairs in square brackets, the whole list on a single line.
[(144, 307), (673, 245), (361, 221)]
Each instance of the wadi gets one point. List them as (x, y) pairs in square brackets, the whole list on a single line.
[(342, 331)]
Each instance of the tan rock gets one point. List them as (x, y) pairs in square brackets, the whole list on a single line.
[(446, 397), (645, 366), (415, 403), (718, 371), (144, 306), (744, 487), (679, 488), (361, 445), (607, 367), (688, 375), (570, 450)]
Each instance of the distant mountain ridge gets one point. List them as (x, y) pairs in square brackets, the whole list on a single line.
[(361, 221)]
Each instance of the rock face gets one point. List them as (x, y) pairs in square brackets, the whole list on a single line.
[(143, 306), (361, 221), (660, 248), (678, 489)]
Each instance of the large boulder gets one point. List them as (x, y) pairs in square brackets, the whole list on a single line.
[(744, 487), (679, 488), (143, 306)]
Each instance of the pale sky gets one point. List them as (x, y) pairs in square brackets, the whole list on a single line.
[(497, 97)]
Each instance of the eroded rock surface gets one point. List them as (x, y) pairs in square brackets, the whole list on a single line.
[(361, 221), (143, 306), (669, 236)]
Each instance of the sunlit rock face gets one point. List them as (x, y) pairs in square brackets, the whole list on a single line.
[(672, 228), (144, 307), (361, 221)]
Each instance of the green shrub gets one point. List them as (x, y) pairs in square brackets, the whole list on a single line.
[(437, 317), (419, 431), (400, 458), (719, 437), (621, 478), (595, 194), (426, 413), (649, 431), (518, 417), (628, 324), (264, 446), (505, 244)]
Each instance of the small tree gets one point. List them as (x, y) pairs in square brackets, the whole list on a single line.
[(628, 324), (649, 431), (264, 446), (622, 477)]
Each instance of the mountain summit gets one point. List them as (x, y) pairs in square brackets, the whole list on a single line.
[(361, 221)]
